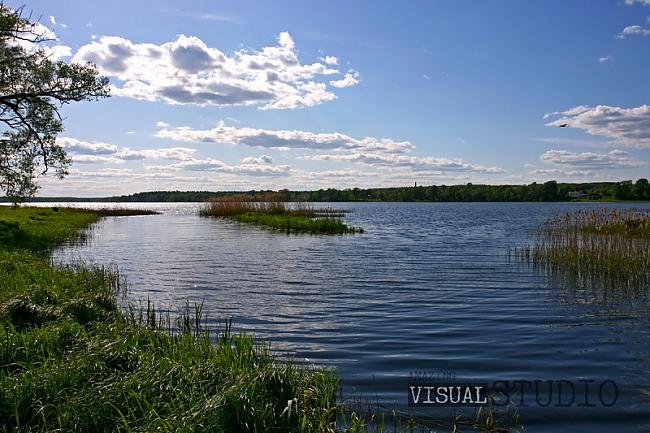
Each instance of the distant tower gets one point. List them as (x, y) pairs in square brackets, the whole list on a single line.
[(416, 184)]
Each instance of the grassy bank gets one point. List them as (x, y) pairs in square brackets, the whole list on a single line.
[(71, 361), (609, 248), (40, 228), (270, 211)]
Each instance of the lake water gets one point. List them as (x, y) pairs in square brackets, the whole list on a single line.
[(427, 288)]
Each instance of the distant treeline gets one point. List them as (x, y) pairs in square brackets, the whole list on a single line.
[(153, 196), (548, 191)]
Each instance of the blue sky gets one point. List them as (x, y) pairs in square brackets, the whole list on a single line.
[(304, 95)]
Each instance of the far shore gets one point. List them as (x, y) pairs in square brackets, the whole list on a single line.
[(551, 191)]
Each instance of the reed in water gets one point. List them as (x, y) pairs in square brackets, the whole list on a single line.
[(269, 210), (594, 247)]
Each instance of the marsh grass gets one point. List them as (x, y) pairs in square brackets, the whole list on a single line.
[(357, 416), (269, 210), (116, 211), (128, 373), (632, 223), (600, 248), (495, 416)]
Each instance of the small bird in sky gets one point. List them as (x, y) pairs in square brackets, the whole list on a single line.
[(563, 125)]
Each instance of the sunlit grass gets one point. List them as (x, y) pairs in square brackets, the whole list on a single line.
[(41, 228), (290, 223), (269, 210), (629, 222), (112, 373), (116, 211)]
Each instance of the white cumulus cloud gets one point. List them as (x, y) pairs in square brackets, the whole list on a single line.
[(282, 139), (622, 126), (263, 159), (188, 71), (247, 167), (350, 79), (98, 152), (86, 147), (633, 30), (330, 60), (614, 159), (411, 162)]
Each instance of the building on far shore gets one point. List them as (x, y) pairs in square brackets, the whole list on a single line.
[(578, 194)]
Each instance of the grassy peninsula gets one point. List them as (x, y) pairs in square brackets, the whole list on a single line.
[(269, 210), (71, 360)]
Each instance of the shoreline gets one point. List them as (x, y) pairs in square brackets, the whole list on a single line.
[(550, 191), (102, 369)]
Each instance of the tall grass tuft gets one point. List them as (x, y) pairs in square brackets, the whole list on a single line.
[(269, 210), (609, 248)]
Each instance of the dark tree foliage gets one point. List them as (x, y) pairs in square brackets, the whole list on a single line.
[(548, 191), (33, 89), (642, 189)]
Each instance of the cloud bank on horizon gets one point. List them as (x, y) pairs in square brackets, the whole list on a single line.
[(193, 110)]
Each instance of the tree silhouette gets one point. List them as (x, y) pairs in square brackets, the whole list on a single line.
[(33, 88)]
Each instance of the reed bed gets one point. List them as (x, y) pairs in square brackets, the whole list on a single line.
[(79, 365), (113, 212), (604, 247), (630, 222), (363, 416), (269, 210)]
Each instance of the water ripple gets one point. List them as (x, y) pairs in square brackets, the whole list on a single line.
[(426, 287)]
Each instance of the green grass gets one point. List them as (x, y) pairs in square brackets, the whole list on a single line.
[(41, 228), (293, 223), (268, 210), (116, 211), (601, 248), (71, 360)]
